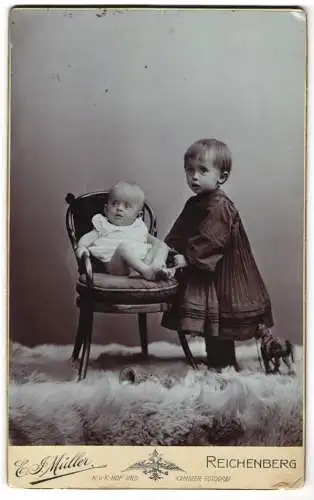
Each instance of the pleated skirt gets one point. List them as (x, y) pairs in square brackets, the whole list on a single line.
[(229, 302)]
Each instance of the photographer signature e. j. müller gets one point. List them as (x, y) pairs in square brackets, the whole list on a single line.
[(54, 466)]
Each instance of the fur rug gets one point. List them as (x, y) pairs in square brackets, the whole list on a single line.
[(126, 400)]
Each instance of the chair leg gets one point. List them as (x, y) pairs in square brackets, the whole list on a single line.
[(85, 357), (142, 324), (188, 354), (86, 327), (79, 339)]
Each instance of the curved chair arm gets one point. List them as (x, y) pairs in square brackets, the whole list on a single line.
[(88, 270), (86, 266)]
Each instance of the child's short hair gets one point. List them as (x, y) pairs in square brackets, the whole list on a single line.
[(130, 189), (222, 154)]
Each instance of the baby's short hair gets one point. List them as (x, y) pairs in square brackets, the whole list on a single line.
[(222, 154), (131, 190)]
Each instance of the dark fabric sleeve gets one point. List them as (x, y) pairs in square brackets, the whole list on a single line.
[(206, 249), (176, 239)]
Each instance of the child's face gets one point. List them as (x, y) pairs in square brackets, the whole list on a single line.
[(202, 175), (122, 208)]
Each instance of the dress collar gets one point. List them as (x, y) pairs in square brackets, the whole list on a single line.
[(204, 198)]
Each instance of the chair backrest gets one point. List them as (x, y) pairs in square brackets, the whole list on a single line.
[(82, 208)]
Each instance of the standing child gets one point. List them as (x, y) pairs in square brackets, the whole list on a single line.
[(221, 294)]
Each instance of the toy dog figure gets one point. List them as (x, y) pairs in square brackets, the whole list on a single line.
[(273, 349)]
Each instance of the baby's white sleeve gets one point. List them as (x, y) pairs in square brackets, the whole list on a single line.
[(144, 230), (98, 223)]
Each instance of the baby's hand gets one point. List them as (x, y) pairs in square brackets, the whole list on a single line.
[(80, 251), (180, 261)]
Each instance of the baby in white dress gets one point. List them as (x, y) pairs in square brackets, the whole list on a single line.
[(120, 238)]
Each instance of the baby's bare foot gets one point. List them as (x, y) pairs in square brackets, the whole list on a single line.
[(154, 273), (165, 273), (171, 272), (149, 274)]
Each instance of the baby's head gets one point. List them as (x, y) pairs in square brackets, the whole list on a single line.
[(125, 202), (207, 165)]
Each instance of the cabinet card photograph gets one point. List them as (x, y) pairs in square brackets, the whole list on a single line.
[(156, 247)]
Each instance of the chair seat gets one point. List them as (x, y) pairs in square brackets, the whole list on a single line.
[(128, 290)]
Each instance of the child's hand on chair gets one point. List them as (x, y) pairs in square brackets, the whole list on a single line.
[(180, 261)]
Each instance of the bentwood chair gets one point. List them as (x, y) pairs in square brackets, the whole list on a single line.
[(99, 292)]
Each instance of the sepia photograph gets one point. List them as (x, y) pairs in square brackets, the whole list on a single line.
[(157, 187)]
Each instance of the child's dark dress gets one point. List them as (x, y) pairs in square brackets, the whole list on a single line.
[(221, 292)]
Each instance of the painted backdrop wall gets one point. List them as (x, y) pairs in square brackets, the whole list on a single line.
[(121, 95)]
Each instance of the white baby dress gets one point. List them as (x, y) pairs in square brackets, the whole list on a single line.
[(110, 236)]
